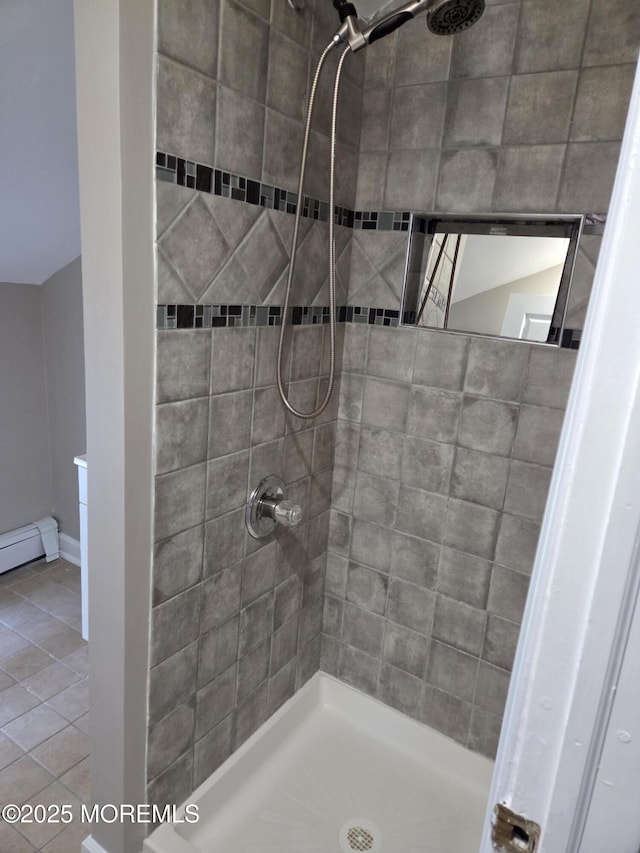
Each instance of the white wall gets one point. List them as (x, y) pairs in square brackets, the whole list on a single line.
[(114, 42), (42, 409), (485, 311), (25, 467), (64, 365)]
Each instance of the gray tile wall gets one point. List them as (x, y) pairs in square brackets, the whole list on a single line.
[(523, 112), (236, 622), (445, 443), (440, 469), (444, 449), (232, 90), (213, 250)]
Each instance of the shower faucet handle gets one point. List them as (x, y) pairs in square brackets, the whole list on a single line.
[(268, 507), (287, 513)]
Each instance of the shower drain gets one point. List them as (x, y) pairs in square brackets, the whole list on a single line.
[(360, 835)]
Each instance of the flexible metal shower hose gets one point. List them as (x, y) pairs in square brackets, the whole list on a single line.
[(332, 248)]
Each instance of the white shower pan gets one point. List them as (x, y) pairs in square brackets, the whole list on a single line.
[(334, 771)]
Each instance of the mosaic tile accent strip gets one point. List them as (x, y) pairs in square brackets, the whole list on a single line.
[(381, 220), (570, 337), (187, 173), (232, 316)]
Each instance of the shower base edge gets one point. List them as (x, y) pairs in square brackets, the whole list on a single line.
[(335, 771)]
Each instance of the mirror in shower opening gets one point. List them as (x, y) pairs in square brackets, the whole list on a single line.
[(493, 275)]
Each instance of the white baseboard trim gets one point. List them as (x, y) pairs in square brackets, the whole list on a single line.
[(90, 845), (70, 549)]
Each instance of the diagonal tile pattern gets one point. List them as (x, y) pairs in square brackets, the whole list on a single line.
[(44, 703)]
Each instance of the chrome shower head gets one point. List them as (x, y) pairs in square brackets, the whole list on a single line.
[(453, 16), (444, 18)]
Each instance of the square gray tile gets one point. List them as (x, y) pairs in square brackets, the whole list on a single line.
[(479, 477), (542, 44), (540, 107), (471, 528), (528, 178), (405, 649), (538, 434), (475, 112), (427, 464), (367, 589), (186, 112), (410, 606), (452, 671), (459, 625), (401, 690), (414, 560), (508, 593), (441, 360), (464, 577), (385, 404), (363, 630), (517, 542), (487, 51), (527, 490), (500, 641), (488, 425)]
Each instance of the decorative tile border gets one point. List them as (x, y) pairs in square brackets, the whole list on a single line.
[(231, 316), (188, 173), (235, 316), (196, 176)]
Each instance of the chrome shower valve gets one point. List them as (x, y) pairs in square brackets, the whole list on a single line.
[(268, 507)]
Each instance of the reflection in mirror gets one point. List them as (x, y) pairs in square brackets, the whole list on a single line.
[(501, 276)]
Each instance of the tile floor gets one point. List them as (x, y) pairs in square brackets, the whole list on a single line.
[(44, 701)]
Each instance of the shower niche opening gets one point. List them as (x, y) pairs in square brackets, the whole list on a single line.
[(504, 276)]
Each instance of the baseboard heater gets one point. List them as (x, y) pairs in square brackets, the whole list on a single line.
[(28, 543)]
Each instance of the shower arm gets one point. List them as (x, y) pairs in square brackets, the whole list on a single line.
[(350, 32)]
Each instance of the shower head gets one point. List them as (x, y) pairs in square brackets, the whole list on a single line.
[(453, 16), (444, 18)]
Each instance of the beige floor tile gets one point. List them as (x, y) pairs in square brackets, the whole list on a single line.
[(26, 662), (5, 680), (72, 702), (54, 794), (12, 842), (78, 780), (8, 599), (78, 660), (15, 701), (62, 751), (74, 586), (52, 635), (36, 589), (9, 751), (41, 625), (41, 566), (76, 623), (69, 840), (34, 727), (50, 681), (69, 612), (19, 613), (82, 723), (8, 579), (64, 573), (22, 779), (11, 643)]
